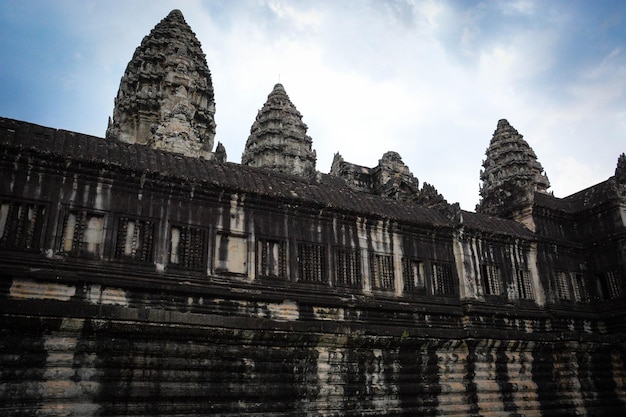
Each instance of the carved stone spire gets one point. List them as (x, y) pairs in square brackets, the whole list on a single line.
[(165, 99), (620, 169), (511, 174), (278, 139)]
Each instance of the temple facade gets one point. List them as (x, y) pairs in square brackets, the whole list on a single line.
[(143, 274)]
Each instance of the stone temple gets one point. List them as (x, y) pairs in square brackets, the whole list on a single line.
[(142, 274)]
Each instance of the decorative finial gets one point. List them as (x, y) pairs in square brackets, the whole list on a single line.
[(620, 170)]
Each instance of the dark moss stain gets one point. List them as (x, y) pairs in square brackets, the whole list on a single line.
[(418, 377), (22, 363), (596, 372), (151, 370), (503, 379), (471, 389)]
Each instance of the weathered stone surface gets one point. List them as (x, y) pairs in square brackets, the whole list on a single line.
[(129, 367), (511, 174), (165, 99), (357, 177), (391, 178), (278, 139)]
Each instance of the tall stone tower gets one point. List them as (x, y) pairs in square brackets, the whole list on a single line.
[(511, 175), (278, 139), (165, 99)]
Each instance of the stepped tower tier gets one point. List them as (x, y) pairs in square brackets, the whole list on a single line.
[(278, 139), (511, 176), (165, 99)]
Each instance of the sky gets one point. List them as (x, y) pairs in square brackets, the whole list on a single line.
[(427, 79)]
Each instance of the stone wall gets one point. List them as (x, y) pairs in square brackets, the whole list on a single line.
[(89, 349)]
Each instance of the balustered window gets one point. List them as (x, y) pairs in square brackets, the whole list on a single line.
[(312, 263), (83, 233), (491, 280), (187, 247), (523, 285), (135, 240), (413, 275), (381, 271), (442, 279), (609, 285), (21, 225), (272, 258), (348, 267), (579, 286), (562, 286), (571, 287)]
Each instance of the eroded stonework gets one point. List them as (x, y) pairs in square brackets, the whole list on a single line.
[(278, 139), (391, 178), (165, 99)]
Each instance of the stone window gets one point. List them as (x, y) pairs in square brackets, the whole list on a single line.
[(312, 262), (581, 294), (413, 275), (562, 287), (382, 273), (135, 240), (83, 233), (272, 258), (442, 279), (523, 285), (571, 286), (609, 286), (21, 225), (491, 280), (231, 254), (348, 267), (187, 247)]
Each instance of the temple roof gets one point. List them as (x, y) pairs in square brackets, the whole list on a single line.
[(165, 99), (495, 225), (328, 192), (582, 200)]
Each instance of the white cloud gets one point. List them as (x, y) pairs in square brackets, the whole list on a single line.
[(571, 175), (301, 18), (521, 7)]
